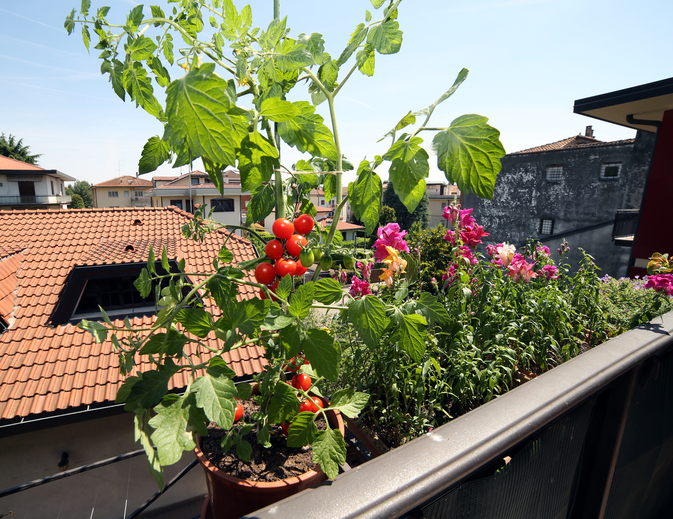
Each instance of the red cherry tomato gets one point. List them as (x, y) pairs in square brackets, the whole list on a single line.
[(285, 267), (239, 412), (265, 273), (282, 228), (301, 269), (274, 249), (285, 428), (262, 294), (302, 381), (304, 406), (295, 244), (312, 406), (303, 224)]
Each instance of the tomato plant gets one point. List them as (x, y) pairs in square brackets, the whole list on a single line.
[(285, 428), (238, 414), (302, 381), (301, 269), (265, 273), (295, 244), (314, 403), (306, 257), (317, 254), (326, 262), (283, 228), (349, 262), (285, 267), (274, 249), (303, 224), (304, 406)]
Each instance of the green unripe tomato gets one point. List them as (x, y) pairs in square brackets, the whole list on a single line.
[(317, 254), (326, 262), (349, 262), (306, 257)]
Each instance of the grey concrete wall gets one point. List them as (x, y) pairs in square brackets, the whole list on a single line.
[(108, 491), (581, 199)]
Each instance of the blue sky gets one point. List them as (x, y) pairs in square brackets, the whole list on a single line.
[(529, 60)]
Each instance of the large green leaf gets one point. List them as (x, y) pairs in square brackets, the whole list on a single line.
[(246, 316), (428, 306), (141, 48), (257, 160), (303, 430), (323, 353), (328, 291), (171, 343), (469, 154), (349, 402), (261, 204), (301, 301), (201, 114), (368, 316), (150, 388), (152, 457), (366, 60), (172, 434), (139, 87), (196, 321), (386, 38), (308, 133), (155, 153), (356, 39), (278, 110), (408, 170), (329, 449), (365, 196), (216, 395), (410, 332), (284, 404)]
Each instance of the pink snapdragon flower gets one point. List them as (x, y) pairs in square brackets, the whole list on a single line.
[(390, 236), (661, 283), (366, 269), (359, 287), (470, 232), (543, 249), (520, 269), (504, 254), (466, 253), (550, 272)]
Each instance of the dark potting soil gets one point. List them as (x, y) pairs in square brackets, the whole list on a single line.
[(273, 464)]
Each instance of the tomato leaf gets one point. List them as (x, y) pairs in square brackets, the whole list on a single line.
[(303, 430), (261, 204), (386, 38), (152, 457), (284, 404), (308, 133), (329, 449), (368, 316), (216, 395), (301, 301), (155, 153), (410, 333), (428, 306), (196, 321), (323, 353), (469, 154), (176, 416), (349, 402), (365, 196), (278, 110), (328, 291), (408, 170)]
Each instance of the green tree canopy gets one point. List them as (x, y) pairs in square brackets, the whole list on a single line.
[(10, 147), (406, 219), (83, 189), (77, 202)]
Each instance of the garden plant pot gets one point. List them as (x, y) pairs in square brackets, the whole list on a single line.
[(230, 497)]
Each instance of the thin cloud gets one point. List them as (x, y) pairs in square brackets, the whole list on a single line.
[(492, 5), (78, 74), (356, 101), (54, 90), (59, 29), (45, 47)]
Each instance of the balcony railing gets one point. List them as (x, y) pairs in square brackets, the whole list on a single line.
[(138, 200), (589, 439), (35, 200)]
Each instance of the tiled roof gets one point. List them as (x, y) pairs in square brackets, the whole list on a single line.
[(47, 368), (126, 180), (577, 141), (7, 164)]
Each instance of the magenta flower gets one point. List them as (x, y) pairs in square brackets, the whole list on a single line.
[(520, 269), (550, 272), (359, 287), (661, 283), (543, 249), (472, 234), (466, 253), (389, 236)]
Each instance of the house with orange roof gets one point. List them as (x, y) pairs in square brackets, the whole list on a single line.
[(26, 186), (125, 191), (57, 386), (579, 189), (440, 195)]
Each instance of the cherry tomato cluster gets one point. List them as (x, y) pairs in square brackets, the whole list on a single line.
[(285, 252)]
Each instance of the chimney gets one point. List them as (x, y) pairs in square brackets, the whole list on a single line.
[(589, 132)]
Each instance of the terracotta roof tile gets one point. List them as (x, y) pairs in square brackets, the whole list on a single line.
[(577, 141), (125, 181), (7, 163), (46, 368)]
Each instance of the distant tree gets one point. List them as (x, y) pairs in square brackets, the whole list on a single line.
[(406, 219), (77, 202), (10, 147), (83, 189), (387, 215)]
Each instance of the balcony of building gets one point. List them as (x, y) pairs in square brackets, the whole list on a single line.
[(26, 201)]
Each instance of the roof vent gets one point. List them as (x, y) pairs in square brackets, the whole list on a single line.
[(137, 222), (129, 248)]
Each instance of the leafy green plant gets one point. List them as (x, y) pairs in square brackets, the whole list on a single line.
[(230, 106)]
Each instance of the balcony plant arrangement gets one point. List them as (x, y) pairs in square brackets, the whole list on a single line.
[(230, 106)]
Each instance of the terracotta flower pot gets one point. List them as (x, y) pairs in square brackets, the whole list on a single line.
[(230, 497)]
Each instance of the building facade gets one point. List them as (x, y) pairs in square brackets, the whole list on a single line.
[(25, 186), (123, 191), (572, 189)]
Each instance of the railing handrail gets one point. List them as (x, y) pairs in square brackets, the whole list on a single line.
[(438, 460), (33, 199)]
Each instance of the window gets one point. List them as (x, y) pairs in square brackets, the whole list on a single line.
[(223, 205), (52, 187), (195, 180), (188, 206), (176, 203), (113, 194), (546, 226), (554, 173), (126, 194), (112, 294), (322, 201), (611, 170), (138, 193)]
